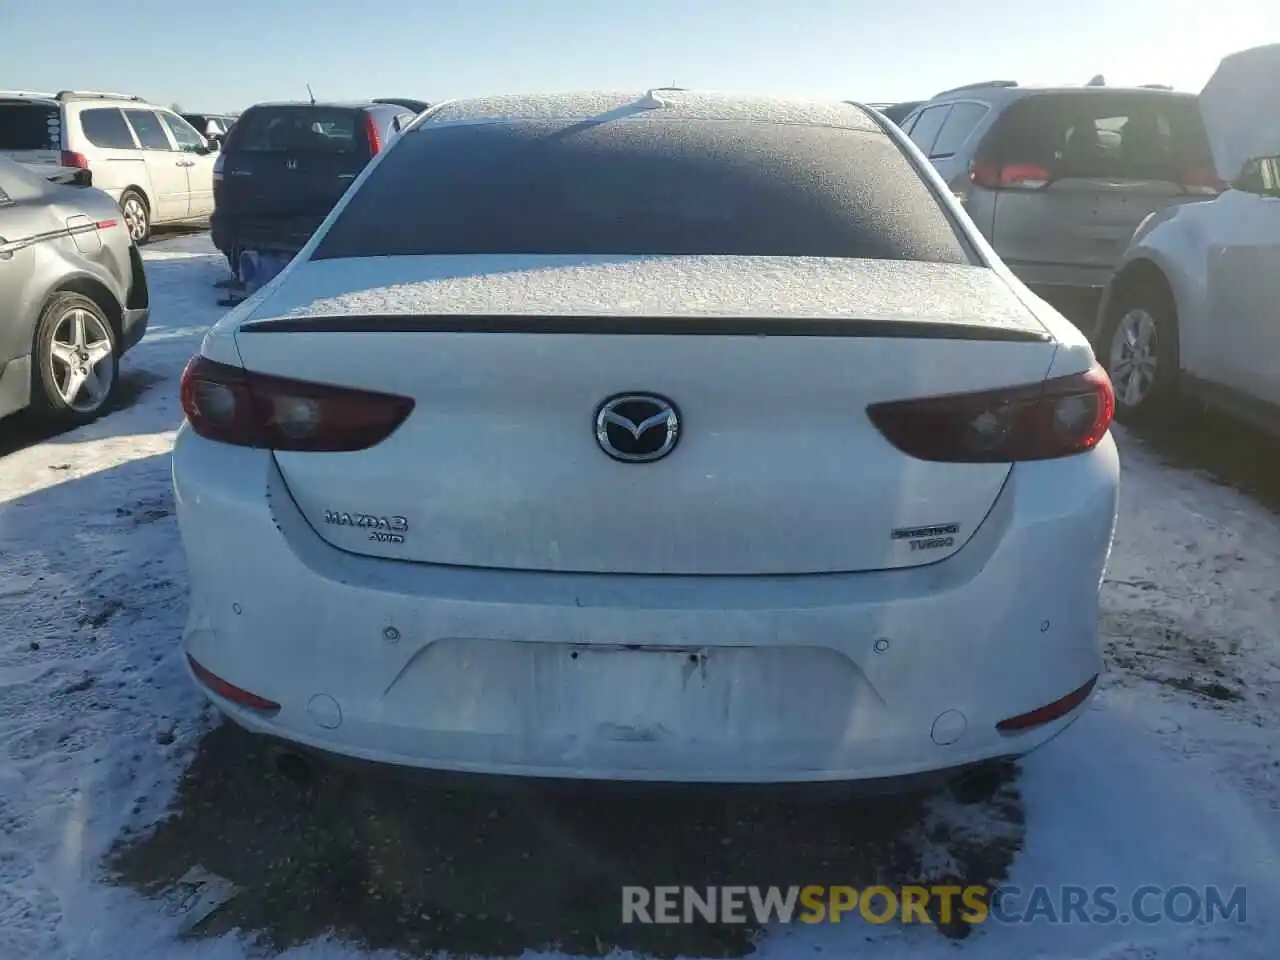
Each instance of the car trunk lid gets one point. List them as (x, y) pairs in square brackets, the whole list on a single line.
[(777, 469), (1239, 109)]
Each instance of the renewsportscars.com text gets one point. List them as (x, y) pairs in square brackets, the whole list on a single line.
[(1150, 904)]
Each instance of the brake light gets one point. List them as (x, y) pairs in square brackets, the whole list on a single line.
[(1202, 180), (237, 406), (1039, 421), (69, 158), (1026, 176), (375, 138), (218, 164)]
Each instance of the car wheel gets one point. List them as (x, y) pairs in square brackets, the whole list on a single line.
[(1139, 348), (137, 216), (76, 362)]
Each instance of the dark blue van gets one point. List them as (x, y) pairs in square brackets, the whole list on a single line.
[(284, 166)]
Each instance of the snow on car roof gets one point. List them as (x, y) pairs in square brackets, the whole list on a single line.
[(661, 103)]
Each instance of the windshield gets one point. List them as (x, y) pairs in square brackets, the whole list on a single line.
[(646, 187), (29, 126), (298, 130)]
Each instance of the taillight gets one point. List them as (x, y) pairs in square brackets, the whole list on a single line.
[(1025, 176), (375, 138), (218, 164), (237, 406), (69, 158), (1039, 421), (1202, 180)]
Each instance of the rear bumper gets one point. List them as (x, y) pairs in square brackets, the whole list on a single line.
[(233, 233), (730, 679)]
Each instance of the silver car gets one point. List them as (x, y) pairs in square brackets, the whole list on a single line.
[(73, 296), (1059, 178)]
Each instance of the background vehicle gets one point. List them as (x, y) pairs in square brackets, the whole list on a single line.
[(517, 476), (417, 106), (73, 296), (213, 126), (897, 112), (1193, 307), (151, 161), (285, 165), (1058, 178)]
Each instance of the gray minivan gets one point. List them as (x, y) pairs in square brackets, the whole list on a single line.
[(1059, 178)]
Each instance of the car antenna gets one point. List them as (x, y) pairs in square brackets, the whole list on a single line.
[(309, 93)]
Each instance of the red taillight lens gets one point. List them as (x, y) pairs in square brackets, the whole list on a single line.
[(1027, 176), (1039, 421), (230, 691), (69, 158), (233, 405), (1049, 712), (375, 138)]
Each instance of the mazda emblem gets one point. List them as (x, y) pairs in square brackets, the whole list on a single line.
[(637, 427)]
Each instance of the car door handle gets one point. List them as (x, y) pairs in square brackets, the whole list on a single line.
[(186, 163)]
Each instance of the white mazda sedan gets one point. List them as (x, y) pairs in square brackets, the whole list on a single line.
[(661, 436)]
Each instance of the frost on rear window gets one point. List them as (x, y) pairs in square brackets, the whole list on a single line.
[(30, 126), (641, 187)]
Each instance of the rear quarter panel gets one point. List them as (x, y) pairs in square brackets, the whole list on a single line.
[(1173, 241)]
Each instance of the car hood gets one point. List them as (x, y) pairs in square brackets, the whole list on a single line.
[(1240, 109)]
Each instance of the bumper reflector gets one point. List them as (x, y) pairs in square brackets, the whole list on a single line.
[(229, 691), (1049, 712)]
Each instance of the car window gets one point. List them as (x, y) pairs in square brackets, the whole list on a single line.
[(150, 131), (302, 129), (960, 123), (30, 126), (927, 126), (1120, 136), (730, 188), (183, 133), (106, 127)]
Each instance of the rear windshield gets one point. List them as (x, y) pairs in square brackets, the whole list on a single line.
[(30, 126), (1120, 136), (645, 187), (300, 129)]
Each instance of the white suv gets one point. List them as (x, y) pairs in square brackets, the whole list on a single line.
[(156, 165)]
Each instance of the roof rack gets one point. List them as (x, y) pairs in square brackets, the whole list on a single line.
[(33, 94), (65, 95), (981, 84), (1155, 86)]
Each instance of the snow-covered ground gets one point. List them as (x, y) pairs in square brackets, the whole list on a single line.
[(1172, 777)]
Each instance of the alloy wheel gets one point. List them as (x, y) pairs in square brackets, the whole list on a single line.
[(80, 345)]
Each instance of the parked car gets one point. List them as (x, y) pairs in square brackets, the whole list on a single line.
[(214, 126), (285, 165), (73, 296), (897, 112), (712, 443), (1058, 178), (153, 163), (1193, 306), (417, 106)]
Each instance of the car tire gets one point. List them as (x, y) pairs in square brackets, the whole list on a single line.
[(137, 216), (1138, 346), (74, 341)]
